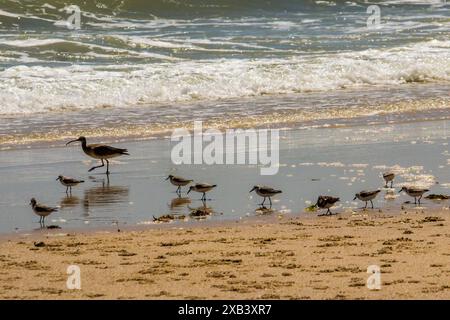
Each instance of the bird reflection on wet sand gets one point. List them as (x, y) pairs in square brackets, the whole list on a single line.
[(69, 202), (177, 204), (104, 195)]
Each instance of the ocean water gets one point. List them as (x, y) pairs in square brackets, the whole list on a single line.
[(140, 68)]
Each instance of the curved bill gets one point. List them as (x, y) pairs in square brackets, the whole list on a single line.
[(72, 141)]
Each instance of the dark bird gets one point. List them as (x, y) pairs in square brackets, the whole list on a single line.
[(100, 151), (326, 202), (179, 182), (367, 196), (41, 210), (68, 182), (265, 192)]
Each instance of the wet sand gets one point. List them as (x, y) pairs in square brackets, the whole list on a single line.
[(291, 258)]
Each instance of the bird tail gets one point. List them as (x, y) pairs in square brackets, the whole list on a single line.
[(214, 185)]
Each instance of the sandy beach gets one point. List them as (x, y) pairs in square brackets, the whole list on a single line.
[(292, 258)]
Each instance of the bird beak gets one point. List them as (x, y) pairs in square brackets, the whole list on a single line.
[(72, 141), (167, 178), (57, 179), (189, 191), (400, 190), (252, 189), (354, 198)]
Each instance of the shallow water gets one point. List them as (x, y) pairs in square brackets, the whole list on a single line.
[(335, 161)]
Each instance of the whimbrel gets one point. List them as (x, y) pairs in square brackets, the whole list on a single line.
[(41, 210), (68, 182), (100, 151), (179, 182), (414, 192), (326, 202), (388, 177), (265, 192), (367, 196), (202, 188)]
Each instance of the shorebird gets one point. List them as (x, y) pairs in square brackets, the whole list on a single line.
[(41, 210), (326, 202), (202, 188), (68, 182), (388, 177), (367, 196), (414, 192), (179, 182), (100, 151), (265, 192)]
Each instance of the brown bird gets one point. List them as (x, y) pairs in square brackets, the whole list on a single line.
[(367, 196), (68, 182), (265, 192), (100, 151), (326, 202), (41, 210), (414, 192), (388, 177), (202, 188), (179, 182)]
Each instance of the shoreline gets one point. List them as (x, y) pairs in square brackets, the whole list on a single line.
[(292, 113), (297, 258)]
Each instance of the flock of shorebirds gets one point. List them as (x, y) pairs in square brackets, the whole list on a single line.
[(104, 153)]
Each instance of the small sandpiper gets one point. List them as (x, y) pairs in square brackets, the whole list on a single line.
[(179, 182), (367, 196), (100, 151), (41, 210), (265, 192), (388, 177), (326, 202), (414, 192), (68, 182), (202, 188)]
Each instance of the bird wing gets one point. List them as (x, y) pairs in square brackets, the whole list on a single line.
[(104, 150), (203, 185), (368, 193), (180, 179), (42, 208), (72, 180), (266, 189)]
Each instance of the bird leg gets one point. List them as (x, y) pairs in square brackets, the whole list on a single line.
[(262, 203), (420, 198), (371, 203), (365, 206), (415, 200), (329, 211), (270, 201), (67, 190), (392, 184), (178, 190), (93, 168), (107, 166)]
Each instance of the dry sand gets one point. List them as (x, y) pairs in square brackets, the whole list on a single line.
[(292, 258)]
